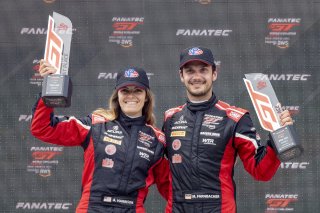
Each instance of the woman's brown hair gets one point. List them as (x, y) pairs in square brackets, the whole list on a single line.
[(114, 108)]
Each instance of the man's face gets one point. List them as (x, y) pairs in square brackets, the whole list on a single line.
[(198, 77)]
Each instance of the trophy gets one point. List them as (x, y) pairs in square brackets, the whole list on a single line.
[(283, 139), (57, 88)]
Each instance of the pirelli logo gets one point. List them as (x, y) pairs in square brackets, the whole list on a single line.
[(111, 140), (178, 134)]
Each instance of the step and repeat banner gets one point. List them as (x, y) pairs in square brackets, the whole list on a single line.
[(280, 38)]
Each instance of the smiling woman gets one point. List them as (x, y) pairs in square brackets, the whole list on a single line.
[(123, 151), (131, 100), (132, 96)]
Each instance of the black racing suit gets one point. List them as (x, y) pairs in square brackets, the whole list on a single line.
[(122, 158), (203, 142)]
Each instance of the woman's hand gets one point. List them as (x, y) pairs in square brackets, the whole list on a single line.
[(46, 69)]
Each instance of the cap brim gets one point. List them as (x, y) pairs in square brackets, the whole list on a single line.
[(131, 83), (195, 59)]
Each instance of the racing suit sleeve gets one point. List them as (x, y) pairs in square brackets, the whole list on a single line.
[(260, 161), (66, 131), (161, 177)]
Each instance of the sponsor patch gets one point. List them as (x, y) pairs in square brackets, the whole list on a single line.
[(145, 137), (115, 130), (107, 163), (195, 51), (111, 140), (110, 149), (144, 155), (179, 127), (211, 119), (178, 134), (131, 73), (176, 144), (145, 149), (201, 196), (180, 121), (208, 141), (176, 158), (212, 134)]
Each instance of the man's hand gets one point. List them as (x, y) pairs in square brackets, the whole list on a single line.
[(285, 118), (46, 69)]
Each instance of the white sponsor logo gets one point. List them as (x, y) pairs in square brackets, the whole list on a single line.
[(213, 134), (43, 31), (285, 77), (144, 155), (179, 127), (294, 165), (42, 205), (124, 201), (107, 199), (114, 131), (124, 19), (209, 126), (145, 149), (191, 196), (25, 117), (147, 144), (114, 136), (49, 148), (282, 196), (203, 32), (286, 20), (208, 141), (181, 120)]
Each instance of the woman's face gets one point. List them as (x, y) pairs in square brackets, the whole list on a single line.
[(131, 100)]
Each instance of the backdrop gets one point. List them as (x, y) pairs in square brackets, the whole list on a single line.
[(280, 38)]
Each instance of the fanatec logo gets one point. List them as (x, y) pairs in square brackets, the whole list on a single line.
[(43, 206), (294, 165), (203, 32), (285, 77), (61, 29)]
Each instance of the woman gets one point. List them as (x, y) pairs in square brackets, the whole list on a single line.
[(123, 151)]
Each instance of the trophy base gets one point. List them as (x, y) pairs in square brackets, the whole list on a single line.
[(286, 143), (57, 90)]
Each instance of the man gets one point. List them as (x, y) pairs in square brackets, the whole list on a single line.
[(204, 137)]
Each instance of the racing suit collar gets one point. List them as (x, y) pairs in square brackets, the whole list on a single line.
[(127, 122), (203, 106)]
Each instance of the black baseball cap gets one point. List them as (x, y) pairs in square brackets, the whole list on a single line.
[(196, 54), (132, 76)]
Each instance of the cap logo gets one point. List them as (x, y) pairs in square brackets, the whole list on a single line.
[(131, 73), (195, 51)]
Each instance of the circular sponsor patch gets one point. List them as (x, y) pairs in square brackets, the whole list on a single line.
[(176, 144), (110, 149)]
